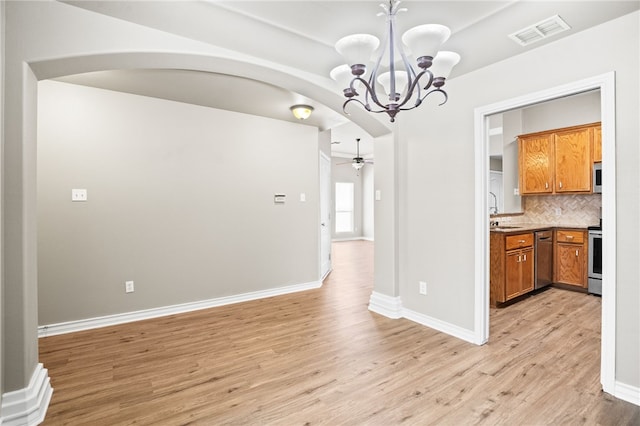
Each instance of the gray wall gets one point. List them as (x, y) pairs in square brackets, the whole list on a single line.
[(180, 200), (439, 236), (583, 108)]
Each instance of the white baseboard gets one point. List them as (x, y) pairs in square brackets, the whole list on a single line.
[(443, 326), (390, 307), (28, 406), (339, 240), (97, 322), (627, 393)]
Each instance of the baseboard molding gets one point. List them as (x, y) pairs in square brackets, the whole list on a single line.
[(339, 240), (28, 406), (390, 307), (627, 393), (97, 322), (442, 326)]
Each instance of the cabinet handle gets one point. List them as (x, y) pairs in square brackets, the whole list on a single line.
[(576, 253), (519, 259), (560, 184), (546, 185), (521, 241), (525, 257), (569, 237)]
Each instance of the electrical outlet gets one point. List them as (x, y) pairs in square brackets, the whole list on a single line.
[(128, 287), (558, 211), (423, 287), (78, 195)]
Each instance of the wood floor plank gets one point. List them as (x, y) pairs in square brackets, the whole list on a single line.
[(321, 358)]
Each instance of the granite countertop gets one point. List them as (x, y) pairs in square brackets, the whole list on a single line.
[(530, 227)]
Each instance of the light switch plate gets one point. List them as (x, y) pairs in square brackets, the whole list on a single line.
[(378, 195), (303, 197), (78, 195)]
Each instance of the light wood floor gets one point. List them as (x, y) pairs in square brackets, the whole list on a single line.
[(321, 358)]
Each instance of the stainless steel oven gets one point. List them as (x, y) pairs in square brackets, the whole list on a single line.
[(595, 261)]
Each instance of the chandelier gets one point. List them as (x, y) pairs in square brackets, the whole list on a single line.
[(392, 69)]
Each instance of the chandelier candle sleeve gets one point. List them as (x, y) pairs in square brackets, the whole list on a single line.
[(391, 68)]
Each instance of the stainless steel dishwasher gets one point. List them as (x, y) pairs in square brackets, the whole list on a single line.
[(544, 258)]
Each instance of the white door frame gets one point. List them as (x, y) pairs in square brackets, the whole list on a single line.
[(606, 84), (325, 203)]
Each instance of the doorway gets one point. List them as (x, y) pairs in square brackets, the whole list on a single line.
[(606, 84)]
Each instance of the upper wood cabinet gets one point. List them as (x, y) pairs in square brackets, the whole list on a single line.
[(558, 161), (597, 144), (536, 164), (573, 165)]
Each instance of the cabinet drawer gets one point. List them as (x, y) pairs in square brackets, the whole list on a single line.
[(518, 241), (570, 236)]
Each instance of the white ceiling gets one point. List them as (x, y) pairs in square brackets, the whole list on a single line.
[(301, 34)]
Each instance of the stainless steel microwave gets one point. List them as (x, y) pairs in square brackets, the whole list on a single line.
[(597, 177)]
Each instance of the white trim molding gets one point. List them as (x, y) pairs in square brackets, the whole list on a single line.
[(391, 307), (97, 322), (388, 306), (439, 325), (28, 406), (627, 393)]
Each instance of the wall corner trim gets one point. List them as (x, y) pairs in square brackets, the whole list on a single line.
[(97, 322), (28, 406), (627, 392), (390, 307)]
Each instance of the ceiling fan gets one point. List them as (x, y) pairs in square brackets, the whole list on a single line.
[(357, 162)]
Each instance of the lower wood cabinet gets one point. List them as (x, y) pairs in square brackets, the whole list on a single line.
[(570, 260), (512, 266)]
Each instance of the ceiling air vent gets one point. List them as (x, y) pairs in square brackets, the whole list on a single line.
[(539, 31)]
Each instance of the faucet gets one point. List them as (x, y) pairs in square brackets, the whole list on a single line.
[(495, 204)]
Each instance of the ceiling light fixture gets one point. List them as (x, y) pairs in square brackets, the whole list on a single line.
[(301, 112), (397, 77)]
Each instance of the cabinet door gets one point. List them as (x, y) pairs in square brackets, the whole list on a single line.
[(512, 275), (570, 264), (536, 164), (573, 163), (527, 266), (519, 272), (597, 144)]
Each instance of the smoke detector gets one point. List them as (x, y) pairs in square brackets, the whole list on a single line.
[(543, 29)]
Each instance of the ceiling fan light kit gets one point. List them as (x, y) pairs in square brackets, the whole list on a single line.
[(399, 80)]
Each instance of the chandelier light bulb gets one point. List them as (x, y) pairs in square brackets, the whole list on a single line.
[(357, 49)]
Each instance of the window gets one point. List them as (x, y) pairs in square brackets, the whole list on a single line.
[(344, 207)]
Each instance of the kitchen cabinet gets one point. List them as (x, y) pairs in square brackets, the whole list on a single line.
[(573, 163), (512, 266), (536, 164), (557, 161), (597, 144), (570, 263)]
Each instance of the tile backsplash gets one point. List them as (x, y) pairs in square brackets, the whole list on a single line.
[(577, 210)]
